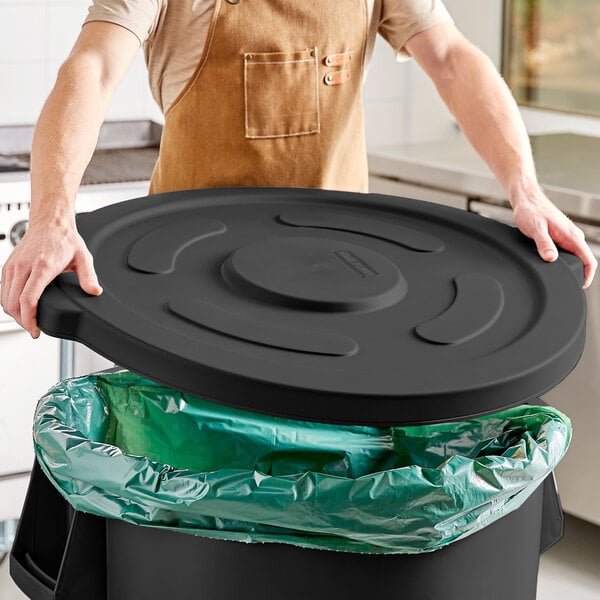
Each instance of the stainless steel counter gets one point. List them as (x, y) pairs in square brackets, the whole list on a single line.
[(568, 168)]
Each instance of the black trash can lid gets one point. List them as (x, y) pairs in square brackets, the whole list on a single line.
[(326, 306)]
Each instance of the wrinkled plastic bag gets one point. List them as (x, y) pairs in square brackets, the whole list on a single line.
[(120, 446)]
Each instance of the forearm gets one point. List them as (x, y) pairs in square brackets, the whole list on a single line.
[(67, 130), (488, 114), (64, 140), (489, 117)]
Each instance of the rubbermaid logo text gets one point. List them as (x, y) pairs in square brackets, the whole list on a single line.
[(355, 263)]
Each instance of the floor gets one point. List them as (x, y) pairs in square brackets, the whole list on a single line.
[(571, 569)]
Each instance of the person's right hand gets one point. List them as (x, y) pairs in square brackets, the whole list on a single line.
[(42, 254)]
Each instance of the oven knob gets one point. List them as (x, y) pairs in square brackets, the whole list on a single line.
[(18, 231)]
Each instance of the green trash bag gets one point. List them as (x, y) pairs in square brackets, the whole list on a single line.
[(120, 446)]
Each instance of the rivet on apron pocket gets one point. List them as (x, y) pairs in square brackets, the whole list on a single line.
[(338, 60), (337, 77)]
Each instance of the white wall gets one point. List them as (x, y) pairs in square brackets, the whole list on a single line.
[(35, 38)]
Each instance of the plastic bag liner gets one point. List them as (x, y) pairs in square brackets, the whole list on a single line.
[(120, 446)]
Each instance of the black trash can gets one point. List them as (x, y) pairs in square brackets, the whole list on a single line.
[(319, 306)]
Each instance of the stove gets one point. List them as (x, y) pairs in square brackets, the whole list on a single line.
[(27, 368), (14, 216), (119, 170)]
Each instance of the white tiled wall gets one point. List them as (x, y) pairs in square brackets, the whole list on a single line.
[(35, 38), (391, 113)]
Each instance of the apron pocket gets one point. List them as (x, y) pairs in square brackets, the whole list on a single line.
[(281, 93)]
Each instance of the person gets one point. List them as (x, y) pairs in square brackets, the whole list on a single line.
[(259, 92)]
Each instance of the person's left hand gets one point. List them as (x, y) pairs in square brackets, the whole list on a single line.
[(539, 219)]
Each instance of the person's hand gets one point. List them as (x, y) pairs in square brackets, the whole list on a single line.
[(539, 219), (41, 255)]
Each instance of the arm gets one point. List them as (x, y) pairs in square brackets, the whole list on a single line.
[(64, 140), (487, 113)]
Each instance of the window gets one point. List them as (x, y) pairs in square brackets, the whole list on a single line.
[(551, 54)]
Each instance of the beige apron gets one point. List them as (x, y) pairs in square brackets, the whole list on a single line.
[(276, 100)]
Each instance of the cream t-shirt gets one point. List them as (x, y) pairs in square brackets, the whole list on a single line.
[(173, 33)]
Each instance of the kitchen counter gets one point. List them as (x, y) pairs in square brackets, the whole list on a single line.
[(567, 164)]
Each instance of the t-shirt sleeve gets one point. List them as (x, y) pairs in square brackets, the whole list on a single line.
[(401, 19), (139, 16)]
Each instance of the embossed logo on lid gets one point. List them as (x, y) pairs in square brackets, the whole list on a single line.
[(355, 263)]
